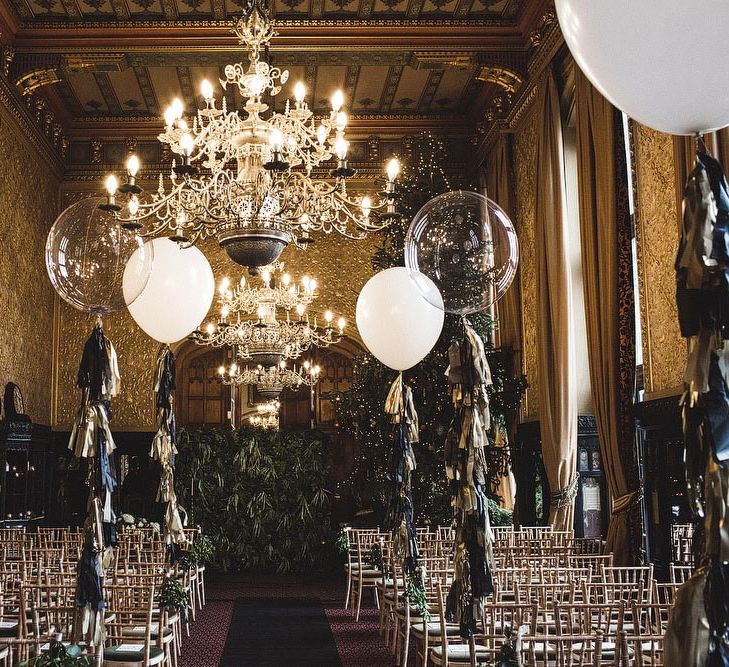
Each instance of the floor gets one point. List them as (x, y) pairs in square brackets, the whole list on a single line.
[(358, 644)]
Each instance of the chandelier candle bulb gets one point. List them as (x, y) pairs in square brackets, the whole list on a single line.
[(177, 108), (321, 134), (341, 323), (328, 316), (366, 206), (206, 88), (340, 121), (111, 185), (341, 146), (299, 92), (186, 145), (337, 101), (169, 118), (132, 165), (393, 170)]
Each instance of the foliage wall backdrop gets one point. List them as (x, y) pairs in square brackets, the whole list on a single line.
[(259, 495)]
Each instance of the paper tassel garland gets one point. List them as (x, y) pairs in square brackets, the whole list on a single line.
[(465, 461), (164, 447), (91, 438)]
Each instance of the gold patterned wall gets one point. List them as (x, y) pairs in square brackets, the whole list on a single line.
[(525, 170), (340, 266), (664, 351), (29, 195)]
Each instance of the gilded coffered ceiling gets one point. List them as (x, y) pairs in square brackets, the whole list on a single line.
[(104, 70)]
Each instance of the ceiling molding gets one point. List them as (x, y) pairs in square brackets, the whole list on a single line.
[(546, 41), (449, 35)]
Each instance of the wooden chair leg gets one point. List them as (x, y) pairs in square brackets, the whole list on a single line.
[(359, 598), (406, 645), (349, 589)]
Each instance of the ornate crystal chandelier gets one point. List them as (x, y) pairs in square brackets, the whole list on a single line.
[(246, 177), (270, 382), (266, 416), (267, 340)]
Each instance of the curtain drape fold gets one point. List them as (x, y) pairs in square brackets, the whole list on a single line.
[(496, 178), (498, 187), (555, 357), (611, 357)]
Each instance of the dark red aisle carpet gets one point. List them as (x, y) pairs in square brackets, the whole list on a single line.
[(358, 644)]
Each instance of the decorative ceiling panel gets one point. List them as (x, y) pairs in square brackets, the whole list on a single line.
[(377, 89)]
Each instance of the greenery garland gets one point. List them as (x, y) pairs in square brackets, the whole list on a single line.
[(415, 593), (59, 655), (174, 598)]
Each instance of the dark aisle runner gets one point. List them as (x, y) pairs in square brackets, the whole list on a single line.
[(291, 632)]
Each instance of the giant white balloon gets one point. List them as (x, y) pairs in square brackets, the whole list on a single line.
[(663, 62), (178, 293), (395, 321)]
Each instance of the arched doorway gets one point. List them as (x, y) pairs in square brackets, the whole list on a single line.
[(202, 400)]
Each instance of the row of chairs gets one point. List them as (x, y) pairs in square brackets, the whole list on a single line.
[(573, 604), (38, 580)]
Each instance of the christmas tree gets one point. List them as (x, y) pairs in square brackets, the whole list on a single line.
[(361, 413)]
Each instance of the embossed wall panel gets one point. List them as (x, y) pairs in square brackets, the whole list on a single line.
[(525, 165), (29, 194), (664, 351)]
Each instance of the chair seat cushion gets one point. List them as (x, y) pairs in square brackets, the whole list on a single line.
[(113, 654), (459, 653), (368, 574), (9, 629), (434, 629)]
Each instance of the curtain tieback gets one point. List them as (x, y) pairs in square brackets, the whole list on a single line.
[(626, 501), (567, 495)]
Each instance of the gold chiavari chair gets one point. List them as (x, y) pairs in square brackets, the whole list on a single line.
[(426, 632), (640, 651), (629, 575), (406, 614), (126, 646), (680, 573), (452, 650), (578, 650), (353, 564), (363, 575)]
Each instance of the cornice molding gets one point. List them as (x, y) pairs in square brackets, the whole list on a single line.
[(10, 99), (438, 34), (549, 42)]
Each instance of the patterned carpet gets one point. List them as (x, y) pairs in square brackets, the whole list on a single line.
[(358, 644)]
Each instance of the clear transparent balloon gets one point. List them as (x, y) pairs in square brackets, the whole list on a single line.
[(467, 245), (87, 253)]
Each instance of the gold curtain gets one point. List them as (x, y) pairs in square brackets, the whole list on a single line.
[(555, 362), (496, 180), (497, 176), (594, 117)]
